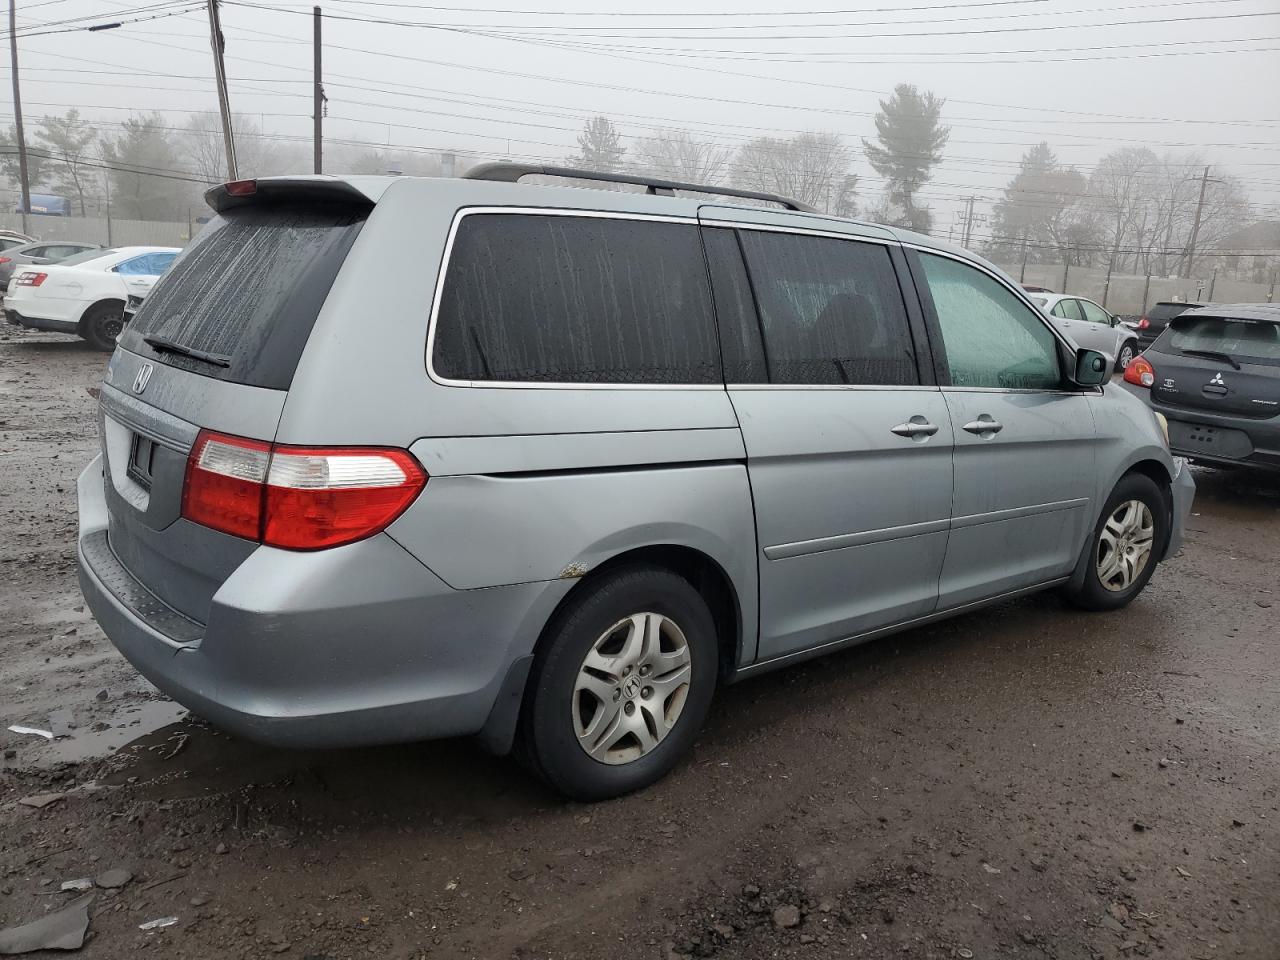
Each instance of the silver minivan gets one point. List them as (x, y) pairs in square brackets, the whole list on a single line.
[(386, 459)]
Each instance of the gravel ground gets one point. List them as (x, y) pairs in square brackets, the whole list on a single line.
[(1028, 781)]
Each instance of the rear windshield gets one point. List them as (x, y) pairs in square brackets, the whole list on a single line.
[(246, 291), (1167, 311), (1252, 340)]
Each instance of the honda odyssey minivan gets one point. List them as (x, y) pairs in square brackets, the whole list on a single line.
[(386, 459)]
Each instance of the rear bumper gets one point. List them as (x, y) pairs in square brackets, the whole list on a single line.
[(1252, 442), (355, 645), (41, 323)]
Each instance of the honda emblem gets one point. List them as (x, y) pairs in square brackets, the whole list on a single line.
[(140, 381)]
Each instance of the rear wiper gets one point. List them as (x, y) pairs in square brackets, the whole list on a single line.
[(161, 345), (1212, 355)]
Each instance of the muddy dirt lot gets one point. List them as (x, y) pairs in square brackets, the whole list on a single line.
[(1029, 781)]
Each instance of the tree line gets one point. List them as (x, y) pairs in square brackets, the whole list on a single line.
[(1135, 211)]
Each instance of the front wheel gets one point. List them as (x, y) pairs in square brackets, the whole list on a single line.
[(621, 685), (102, 324), (1126, 355), (1125, 546)]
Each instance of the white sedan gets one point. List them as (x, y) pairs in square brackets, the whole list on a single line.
[(85, 294), (1090, 326)]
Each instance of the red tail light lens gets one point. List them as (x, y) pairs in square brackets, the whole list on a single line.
[(298, 498), (1140, 372), (1144, 323), (241, 188), (6, 259), (32, 279), (224, 484)]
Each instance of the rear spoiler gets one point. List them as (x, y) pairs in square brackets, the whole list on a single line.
[(271, 190)]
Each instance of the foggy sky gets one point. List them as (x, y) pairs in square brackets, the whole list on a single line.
[(717, 70)]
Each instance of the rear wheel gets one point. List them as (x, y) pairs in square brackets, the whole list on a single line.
[(1127, 352), (1124, 549), (622, 684), (102, 324)]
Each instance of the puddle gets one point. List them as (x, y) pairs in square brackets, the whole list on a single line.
[(128, 725)]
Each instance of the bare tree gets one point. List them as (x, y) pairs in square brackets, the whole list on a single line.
[(676, 155), (811, 167), (68, 144), (202, 143)]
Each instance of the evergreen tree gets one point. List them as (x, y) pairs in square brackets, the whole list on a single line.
[(147, 179), (1041, 210), (601, 146), (909, 142)]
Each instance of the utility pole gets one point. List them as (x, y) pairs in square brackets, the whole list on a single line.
[(220, 76), (17, 115), (1195, 226), (318, 96), (968, 222)]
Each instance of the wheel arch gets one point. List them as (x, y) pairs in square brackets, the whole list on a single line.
[(103, 302), (701, 570)]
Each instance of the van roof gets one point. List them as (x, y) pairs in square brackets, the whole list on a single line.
[(370, 189)]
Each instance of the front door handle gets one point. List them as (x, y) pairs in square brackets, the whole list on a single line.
[(917, 428), (985, 426)]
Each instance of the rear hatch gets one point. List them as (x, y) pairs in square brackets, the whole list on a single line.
[(1224, 365), (215, 345)]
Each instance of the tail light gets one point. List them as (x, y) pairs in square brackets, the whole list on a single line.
[(297, 498), (32, 279), (6, 260), (241, 188), (1144, 323), (1140, 372)]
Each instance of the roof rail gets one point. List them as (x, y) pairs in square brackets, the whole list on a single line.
[(514, 172)]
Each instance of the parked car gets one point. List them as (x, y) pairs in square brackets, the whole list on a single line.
[(11, 238), (1215, 374), (1090, 325), (395, 458), (1152, 323), (39, 252), (85, 294)]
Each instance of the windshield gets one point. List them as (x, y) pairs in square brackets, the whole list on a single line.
[(85, 257), (1242, 339)]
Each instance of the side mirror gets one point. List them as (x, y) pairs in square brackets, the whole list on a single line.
[(1092, 368)]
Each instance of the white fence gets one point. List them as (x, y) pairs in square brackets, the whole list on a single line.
[(112, 232), (1131, 295)]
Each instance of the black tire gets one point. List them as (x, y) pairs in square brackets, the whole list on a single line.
[(1128, 350), (548, 740), (102, 324), (1092, 593)]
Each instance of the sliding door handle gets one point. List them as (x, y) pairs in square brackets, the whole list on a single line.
[(985, 427), (915, 427)]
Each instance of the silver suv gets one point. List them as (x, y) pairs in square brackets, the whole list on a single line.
[(386, 459)]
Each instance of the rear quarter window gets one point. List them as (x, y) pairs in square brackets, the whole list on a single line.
[(537, 298), (248, 288)]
